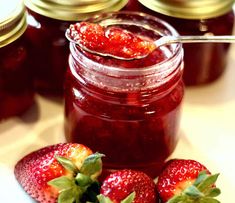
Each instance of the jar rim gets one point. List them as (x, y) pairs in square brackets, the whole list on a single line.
[(12, 22), (177, 47)]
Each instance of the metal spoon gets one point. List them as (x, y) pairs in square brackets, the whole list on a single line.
[(164, 40)]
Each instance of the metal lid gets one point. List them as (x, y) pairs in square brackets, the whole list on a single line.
[(73, 10), (12, 21), (190, 9)]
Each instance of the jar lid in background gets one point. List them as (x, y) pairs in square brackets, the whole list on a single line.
[(12, 21), (189, 9), (73, 10)]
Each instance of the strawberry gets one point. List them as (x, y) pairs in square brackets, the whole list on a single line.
[(187, 181), (59, 173), (127, 186)]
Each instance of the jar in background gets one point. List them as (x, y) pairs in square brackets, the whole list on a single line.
[(204, 63), (48, 21), (16, 87), (128, 110)]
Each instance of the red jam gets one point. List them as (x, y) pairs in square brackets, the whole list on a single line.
[(48, 54), (16, 83), (209, 60), (113, 41), (128, 110), (16, 89)]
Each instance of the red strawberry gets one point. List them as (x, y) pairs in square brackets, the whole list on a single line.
[(62, 171), (127, 186), (187, 181)]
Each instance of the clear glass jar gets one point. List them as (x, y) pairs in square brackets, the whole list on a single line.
[(204, 63), (48, 21), (128, 110), (16, 85)]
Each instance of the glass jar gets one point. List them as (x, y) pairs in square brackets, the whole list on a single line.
[(128, 110), (48, 21), (205, 62), (16, 92)]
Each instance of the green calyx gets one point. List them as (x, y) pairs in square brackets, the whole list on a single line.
[(82, 186), (129, 199), (203, 190)]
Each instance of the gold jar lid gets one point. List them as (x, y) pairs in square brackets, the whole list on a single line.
[(190, 9), (73, 10), (12, 21)]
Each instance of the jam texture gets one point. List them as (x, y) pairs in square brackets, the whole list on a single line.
[(132, 132), (110, 40), (16, 85), (49, 53), (127, 109)]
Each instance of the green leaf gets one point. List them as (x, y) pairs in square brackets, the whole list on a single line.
[(201, 176), (92, 164), (83, 180), (209, 200), (130, 198), (103, 199), (62, 183), (67, 164), (177, 199), (208, 182), (213, 192), (193, 192), (66, 196)]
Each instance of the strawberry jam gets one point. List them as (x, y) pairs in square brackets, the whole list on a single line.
[(16, 85), (48, 44), (126, 44), (127, 109), (16, 92)]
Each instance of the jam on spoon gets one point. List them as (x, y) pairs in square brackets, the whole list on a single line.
[(109, 41), (101, 40)]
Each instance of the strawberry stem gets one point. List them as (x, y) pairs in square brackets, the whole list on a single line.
[(83, 180), (203, 190), (82, 186)]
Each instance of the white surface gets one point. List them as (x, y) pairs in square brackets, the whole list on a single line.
[(207, 134)]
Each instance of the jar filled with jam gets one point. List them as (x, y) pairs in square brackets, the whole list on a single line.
[(16, 92), (204, 62), (48, 21), (128, 110)]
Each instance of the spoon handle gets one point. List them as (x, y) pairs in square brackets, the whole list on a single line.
[(195, 39)]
